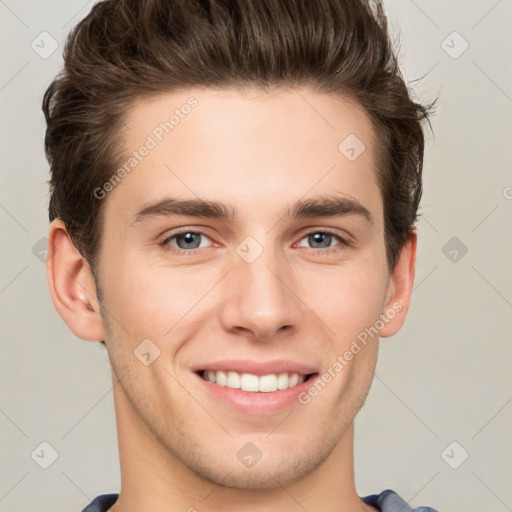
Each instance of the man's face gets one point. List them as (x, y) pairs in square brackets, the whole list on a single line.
[(263, 293)]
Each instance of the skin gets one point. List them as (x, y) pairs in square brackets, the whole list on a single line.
[(257, 152)]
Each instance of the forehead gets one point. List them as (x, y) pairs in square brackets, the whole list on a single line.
[(247, 148)]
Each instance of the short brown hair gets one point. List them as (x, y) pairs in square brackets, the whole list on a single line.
[(127, 49)]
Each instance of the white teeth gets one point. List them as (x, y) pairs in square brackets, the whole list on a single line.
[(250, 382), (233, 380), (220, 378), (268, 383), (254, 383), (282, 381)]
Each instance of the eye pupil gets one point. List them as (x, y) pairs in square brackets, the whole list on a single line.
[(321, 238), (188, 239)]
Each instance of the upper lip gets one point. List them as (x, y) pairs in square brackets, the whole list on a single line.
[(257, 367)]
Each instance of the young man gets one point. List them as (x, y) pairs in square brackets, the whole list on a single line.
[(234, 188)]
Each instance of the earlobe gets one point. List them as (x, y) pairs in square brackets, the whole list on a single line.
[(400, 289), (72, 285)]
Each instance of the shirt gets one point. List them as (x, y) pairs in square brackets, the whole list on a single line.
[(386, 501)]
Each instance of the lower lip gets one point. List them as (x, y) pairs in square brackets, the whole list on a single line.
[(257, 403)]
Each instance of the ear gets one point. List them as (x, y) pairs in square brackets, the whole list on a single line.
[(72, 285), (399, 290)]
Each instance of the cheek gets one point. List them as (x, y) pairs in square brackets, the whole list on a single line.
[(346, 299), (149, 300)]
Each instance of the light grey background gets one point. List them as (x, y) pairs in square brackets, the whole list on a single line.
[(445, 377)]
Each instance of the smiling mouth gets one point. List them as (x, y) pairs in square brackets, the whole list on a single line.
[(254, 383)]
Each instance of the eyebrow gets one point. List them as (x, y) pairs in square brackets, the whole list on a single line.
[(325, 206)]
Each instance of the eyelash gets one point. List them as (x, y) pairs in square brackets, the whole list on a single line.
[(184, 252)]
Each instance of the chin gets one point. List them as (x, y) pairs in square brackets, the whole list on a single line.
[(262, 476), (273, 470)]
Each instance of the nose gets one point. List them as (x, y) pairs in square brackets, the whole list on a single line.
[(260, 299)]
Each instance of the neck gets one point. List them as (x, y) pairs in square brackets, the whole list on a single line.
[(153, 479)]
